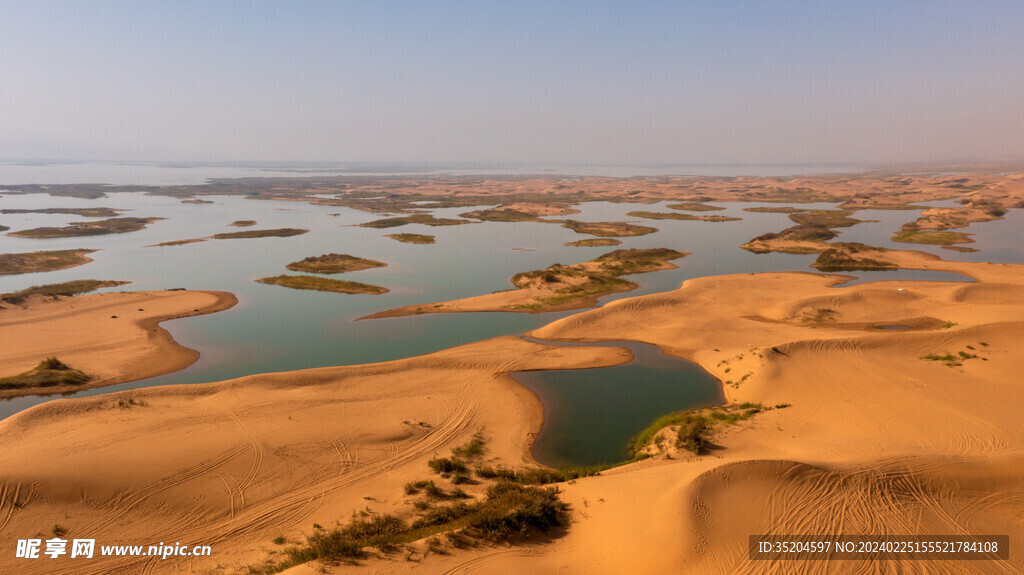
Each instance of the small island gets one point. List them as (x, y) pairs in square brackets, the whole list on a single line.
[(333, 264), (102, 227), (521, 212), (808, 236), (794, 240), (412, 238), (608, 229), (774, 210), (825, 218), (243, 223), (83, 212), (32, 262), (177, 243), (424, 219), (932, 237), (557, 287), (248, 234), (323, 284), (594, 242), (694, 207), (684, 217)]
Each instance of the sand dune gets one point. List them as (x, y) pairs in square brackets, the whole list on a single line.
[(114, 337), (878, 439), (237, 463)]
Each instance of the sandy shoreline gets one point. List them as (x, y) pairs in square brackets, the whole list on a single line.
[(877, 439), (237, 463), (115, 337)]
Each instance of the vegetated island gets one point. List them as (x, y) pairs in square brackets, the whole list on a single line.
[(974, 209), (424, 219), (557, 287), (243, 223), (84, 212), (608, 229), (685, 217), (109, 337), (177, 243), (102, 227), (932, 237), (795, 240), (412, 238), (774, 210), (32, 262), (694, 207), (333, 264), (248, 234), (323, 284), (520, 212), (594, 242), (813, 229)]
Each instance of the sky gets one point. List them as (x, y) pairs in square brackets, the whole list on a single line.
[(571, 82)]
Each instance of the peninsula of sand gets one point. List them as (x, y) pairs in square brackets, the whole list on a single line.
[(109, 337), (901, 416)]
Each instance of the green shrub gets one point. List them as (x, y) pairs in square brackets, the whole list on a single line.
[(691, 434), (447, 465)]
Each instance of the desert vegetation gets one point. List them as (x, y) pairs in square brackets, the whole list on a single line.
[(850, 257), (177, 243), (608, 229), (511, 507), (247, 234), (102, 227), (70, 288), (32, 262), (412, 238), (333, 264), (50, 372), (83, 212), (931, 237), (424, 219), (323, 284), (594, 242), (560, 285), (685, 217), (694, 207), (693, 429)]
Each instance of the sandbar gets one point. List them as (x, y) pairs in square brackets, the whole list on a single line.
[(114, 337)]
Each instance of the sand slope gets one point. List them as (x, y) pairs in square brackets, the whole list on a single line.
[(114, 336), (237, 463), (877, 439)]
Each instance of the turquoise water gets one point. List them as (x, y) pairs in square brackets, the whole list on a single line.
[(277, 329), (591, 414)]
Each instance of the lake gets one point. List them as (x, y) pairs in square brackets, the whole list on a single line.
[(278, 329)]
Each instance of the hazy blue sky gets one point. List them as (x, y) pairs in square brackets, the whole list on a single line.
[(597, 82)]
